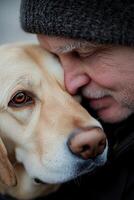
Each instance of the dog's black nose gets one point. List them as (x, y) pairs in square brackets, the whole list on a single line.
[(87, 142)]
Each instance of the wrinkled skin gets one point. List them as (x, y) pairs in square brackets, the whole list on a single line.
[(104, 74)]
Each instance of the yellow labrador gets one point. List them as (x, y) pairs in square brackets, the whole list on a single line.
[(37, 118)]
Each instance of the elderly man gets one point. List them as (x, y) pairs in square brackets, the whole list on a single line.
[(94, 41)]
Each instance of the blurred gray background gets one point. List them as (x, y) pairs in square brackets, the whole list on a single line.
[(10, 30)]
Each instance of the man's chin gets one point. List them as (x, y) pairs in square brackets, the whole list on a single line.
[(112, 115)]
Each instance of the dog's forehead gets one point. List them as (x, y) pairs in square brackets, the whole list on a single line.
[(22, 60), (16, 65), (17, 54), (26, 67)]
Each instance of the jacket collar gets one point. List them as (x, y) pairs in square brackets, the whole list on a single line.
[(120, 137)]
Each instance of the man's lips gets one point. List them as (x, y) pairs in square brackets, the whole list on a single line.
[(100, 103)]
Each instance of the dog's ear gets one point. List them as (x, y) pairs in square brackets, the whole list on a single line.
[(7, 174)]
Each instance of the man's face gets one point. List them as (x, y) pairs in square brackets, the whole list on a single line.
[(104, 74)]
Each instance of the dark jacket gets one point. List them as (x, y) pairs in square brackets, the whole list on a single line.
[(114, 181)]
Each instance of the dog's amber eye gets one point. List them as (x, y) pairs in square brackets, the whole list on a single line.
[(20, 99)]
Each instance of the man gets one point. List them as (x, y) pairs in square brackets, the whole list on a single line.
[(94, 41)]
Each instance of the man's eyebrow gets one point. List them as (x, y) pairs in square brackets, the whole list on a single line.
[(74, 45)]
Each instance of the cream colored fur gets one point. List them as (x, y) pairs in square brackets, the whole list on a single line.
[(34, 136)]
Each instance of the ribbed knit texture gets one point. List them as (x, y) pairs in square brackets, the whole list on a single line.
[(100, 21)]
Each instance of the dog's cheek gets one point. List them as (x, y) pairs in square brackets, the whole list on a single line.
[(23, 116)]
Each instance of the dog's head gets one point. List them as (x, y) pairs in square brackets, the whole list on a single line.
[(38, 116)]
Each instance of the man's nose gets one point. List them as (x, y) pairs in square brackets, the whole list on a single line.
[(75, 80), (87, 142)]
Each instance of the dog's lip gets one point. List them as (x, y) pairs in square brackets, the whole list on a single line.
[(38, 181)]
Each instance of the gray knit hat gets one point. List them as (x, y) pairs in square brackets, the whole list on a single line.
[(100, 21)]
